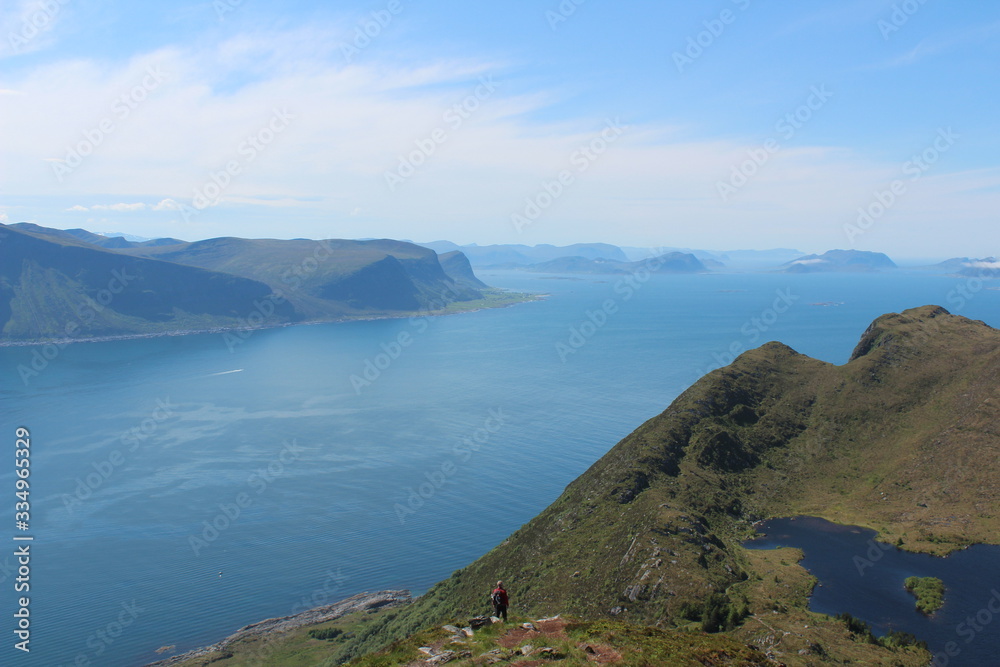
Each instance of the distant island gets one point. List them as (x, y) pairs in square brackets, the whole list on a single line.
[(986, 267), (929, 592), (672, 262), (512, 255), (842, 261)]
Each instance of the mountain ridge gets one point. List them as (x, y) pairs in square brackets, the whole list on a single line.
[(654, 528), (47, 276)]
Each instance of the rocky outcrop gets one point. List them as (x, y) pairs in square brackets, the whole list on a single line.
[(351, 605)]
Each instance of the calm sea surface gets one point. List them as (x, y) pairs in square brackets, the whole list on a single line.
[(181, 490)]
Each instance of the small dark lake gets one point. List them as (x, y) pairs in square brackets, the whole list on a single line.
[(865, 578)]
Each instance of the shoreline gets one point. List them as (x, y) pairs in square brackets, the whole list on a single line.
[(63, 342), (356, 603)]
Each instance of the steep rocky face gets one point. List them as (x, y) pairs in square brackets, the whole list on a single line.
[(458, 268), (382, 285)]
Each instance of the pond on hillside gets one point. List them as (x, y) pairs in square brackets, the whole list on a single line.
[(864, 578)]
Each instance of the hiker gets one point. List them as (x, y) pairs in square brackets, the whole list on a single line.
[(499, 599)]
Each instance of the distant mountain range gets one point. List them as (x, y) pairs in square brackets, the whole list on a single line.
[(74, 284), (102, 240), (71, 284), (842, 261), (672, 262), (515, 254), (729, 259)]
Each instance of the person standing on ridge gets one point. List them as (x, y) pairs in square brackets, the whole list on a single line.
[(499, 599)]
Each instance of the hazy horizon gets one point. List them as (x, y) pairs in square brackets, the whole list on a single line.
[(902, 260)]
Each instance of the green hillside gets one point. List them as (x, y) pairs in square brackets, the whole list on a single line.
[(64, 288), (329, 278), (57, 285), (901, 439)]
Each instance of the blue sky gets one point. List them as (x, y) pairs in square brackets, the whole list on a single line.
[(721, 125)]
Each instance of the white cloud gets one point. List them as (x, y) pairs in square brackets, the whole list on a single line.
[(27, 25), (352, 123), (167, 205), (984, 264), (119, 208), (811, 261), (77, 207)]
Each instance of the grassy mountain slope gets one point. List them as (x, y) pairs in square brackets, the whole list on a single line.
[(329, 278), (903, 439), (65, 288), (49, 275)]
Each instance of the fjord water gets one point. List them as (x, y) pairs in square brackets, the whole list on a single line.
[(865, 578), (138, 443)]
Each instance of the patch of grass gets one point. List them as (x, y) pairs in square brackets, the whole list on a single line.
[(929, 592), (640, 646), (623, 643), (324, 643)]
